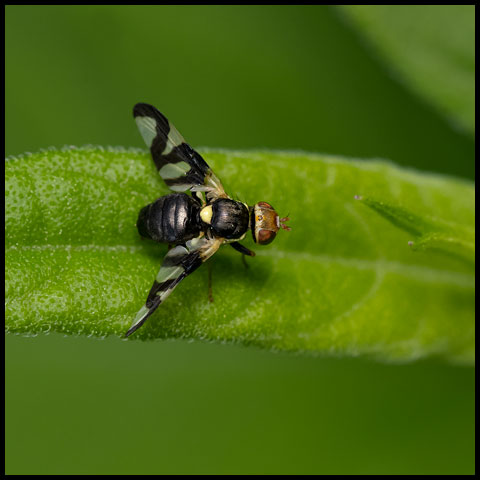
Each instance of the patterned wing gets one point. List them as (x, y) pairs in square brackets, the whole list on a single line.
[(179, 262), (179, 165)]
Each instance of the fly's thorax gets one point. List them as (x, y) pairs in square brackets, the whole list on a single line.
[(229, 218)]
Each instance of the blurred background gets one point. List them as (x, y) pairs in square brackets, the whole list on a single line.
[(389, 82)]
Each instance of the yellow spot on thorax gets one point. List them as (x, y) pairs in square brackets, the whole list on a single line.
[(206, 214)]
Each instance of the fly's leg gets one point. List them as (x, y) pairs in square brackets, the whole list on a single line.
[(243, 250)]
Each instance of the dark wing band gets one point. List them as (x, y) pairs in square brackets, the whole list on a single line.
[(179, 262), (180, 166)]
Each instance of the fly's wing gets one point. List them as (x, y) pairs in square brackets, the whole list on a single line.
[(179, 262), (178, 164)]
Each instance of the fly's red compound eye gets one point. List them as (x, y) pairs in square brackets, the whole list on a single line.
[(265, 237), (265, 205)]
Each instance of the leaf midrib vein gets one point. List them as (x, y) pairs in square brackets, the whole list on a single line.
[(419, 272)]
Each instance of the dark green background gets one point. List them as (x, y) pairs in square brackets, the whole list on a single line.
[(236, 77)]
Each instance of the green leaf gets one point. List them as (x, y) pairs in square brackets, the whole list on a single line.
[(431, 48), (344, 281), (430, 233)]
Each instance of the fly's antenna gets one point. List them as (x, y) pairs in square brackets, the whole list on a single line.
[(282, 224)]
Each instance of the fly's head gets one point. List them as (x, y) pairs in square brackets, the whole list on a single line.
[(265, 223)]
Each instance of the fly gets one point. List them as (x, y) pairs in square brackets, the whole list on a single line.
[(195, 225)]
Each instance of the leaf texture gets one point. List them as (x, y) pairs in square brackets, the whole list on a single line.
[(345, 281)]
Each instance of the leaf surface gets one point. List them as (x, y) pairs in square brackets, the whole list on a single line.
[(344, 281)]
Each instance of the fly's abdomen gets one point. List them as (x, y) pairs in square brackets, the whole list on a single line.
[(170, 219)]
